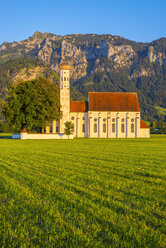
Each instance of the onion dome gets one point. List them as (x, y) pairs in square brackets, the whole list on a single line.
[(64, 65)]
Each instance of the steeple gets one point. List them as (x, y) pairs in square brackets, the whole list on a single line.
[(64, 65), (64, 75), (64, 93)]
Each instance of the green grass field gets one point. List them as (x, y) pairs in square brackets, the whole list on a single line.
[(83, 193)]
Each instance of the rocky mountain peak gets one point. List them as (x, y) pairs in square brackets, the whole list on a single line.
[(37, 33), (85, 52)]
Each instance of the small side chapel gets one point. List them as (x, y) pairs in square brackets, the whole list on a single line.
[(104, 115)]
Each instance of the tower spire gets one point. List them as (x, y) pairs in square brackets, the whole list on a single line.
[(64, 93), (64, 65)]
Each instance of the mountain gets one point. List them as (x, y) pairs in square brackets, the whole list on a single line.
[(98, 63)]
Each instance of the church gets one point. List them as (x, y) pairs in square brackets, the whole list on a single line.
[(104, 115)]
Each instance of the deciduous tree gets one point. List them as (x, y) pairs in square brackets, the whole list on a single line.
[(32, 103)]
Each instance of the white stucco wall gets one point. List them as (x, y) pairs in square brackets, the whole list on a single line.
[(41, 136), (107, 119), (144, 132), (78, 119)]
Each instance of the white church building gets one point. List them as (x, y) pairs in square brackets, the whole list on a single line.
[(104, 115)]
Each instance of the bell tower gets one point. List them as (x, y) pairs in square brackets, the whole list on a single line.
[(64, 94)]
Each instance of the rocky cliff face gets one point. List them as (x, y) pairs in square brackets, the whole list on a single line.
[(156, 56), (83, 52)]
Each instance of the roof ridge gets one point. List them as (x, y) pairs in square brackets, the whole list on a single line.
[(113, 92), (79, 101)]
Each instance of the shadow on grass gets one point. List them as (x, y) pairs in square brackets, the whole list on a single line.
[(5, 136)]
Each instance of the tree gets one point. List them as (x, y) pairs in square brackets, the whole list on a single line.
[(32, 103), (68, 128), (154, 125), (47, 102)]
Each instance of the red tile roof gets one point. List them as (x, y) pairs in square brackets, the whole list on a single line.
[(24, 130), (113, 101), (143, 125), (79, 106)]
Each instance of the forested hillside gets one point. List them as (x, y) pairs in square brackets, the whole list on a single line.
[(98, 63)]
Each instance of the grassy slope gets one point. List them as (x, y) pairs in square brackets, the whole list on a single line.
[(161, 110), (83, 193)]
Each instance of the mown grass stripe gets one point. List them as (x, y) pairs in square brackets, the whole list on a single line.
[(83, 193)]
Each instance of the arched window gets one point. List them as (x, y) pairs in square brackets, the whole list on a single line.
[(57, 129), (122, 120), (113, 127), (132, 120), (95, 128), (72, 118), (83, 117), (64, 78), (113, 120), (72, 129), (132, 128), (83, 128), (95, 119), (104, 120), (122, 128), (104, 128)]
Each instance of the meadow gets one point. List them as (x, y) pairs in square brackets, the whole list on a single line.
[(83, 193)]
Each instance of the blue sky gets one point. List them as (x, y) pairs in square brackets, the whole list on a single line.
[(139, 20)]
